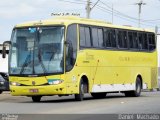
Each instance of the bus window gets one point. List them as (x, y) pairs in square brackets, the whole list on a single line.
[(71, 53), (88, 38), (110, 37), (135, 41), (131, 40), (140, 39), (82, 37), (151, 39), (145, 42), (100, 38), (95, 37), (122, 39), (85, 40)]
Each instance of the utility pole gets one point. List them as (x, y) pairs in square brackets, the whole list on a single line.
[(157, 30), (139, 12), (88, 8)]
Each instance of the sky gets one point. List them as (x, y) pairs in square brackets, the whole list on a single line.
[(125, 12), (13, 12)]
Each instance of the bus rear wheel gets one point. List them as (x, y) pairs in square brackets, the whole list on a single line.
[(80, 96), (36, 98), (1, 91), (99, 95), (137, 91)]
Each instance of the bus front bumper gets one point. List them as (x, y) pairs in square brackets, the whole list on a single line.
[(37, 90)]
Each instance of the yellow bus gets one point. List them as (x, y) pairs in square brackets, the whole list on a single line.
[(72, 56)]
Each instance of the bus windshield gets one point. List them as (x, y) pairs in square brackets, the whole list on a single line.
[(37, 51)]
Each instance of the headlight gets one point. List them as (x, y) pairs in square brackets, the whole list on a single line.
[(15, 83), (55, 82), (2, 83)]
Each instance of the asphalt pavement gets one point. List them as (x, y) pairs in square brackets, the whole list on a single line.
[(112, 104)]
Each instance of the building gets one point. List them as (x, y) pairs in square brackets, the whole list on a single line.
[(3, 61)]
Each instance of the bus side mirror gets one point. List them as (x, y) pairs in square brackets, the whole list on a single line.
[(4, 51)]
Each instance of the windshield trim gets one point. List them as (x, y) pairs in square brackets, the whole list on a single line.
[(41, 74)]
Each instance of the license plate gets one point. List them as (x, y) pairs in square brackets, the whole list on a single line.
[(34, 90)]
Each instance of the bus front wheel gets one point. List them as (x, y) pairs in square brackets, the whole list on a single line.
[(36, 98), (1, 91), (80, 96)]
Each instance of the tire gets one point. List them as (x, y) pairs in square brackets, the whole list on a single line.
[(1, 91), (80, 96), (98, 95), (137, 91), (36, 98)]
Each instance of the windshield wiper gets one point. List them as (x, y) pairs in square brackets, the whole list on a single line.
[(25, 64)]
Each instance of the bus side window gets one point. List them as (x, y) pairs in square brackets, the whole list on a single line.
[(135, 38), (88, 37), (82, 37), (145, 42), (113, 38), (151, 40), (131, 40), (100, 38), (95, 37), (140, 39), (106, 38), (85, 39), (109, 38), (122, 39), (71, 51)]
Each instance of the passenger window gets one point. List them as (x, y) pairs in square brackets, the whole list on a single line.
[(135, 41), (110, 37), (145, 42), (122, 39), (85, 39), (95, 37), (100, 38), (82, 37), (130, 39), (140, 39), (106, 38), (88, 38), (151, 40)]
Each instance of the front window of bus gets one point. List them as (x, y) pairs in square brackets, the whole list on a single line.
[(37, 51)]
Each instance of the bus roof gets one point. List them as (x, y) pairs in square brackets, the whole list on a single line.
[(66, 20)]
